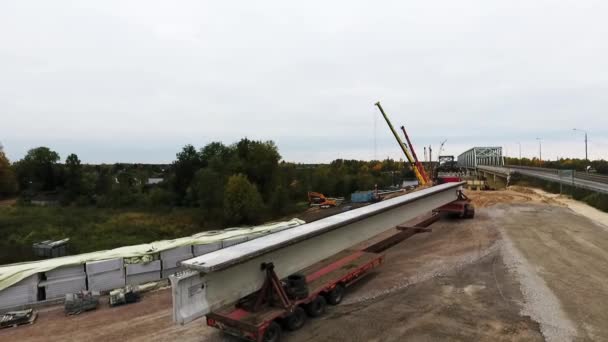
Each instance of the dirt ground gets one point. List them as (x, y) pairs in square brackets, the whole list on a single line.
[(8, 202), (527, 268)]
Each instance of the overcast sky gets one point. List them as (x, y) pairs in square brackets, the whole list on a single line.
[(134, 81)]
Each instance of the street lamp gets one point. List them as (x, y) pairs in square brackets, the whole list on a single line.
[(540, 151), (580, 130)]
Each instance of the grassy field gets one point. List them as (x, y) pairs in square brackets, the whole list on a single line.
[(90, 229)]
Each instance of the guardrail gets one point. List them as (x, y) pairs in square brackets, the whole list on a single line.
[(577, 174), (533, 168), (591, 177)]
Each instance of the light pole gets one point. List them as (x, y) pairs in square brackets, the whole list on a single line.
[(519, 143), (580, 130), (540, 151)]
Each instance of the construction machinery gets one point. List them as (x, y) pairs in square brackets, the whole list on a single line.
[(410, 159), (76, 303), (15, 318), (418, 163), (317, 199), (128, 294)]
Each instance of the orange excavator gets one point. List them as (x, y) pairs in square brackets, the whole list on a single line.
[(317, 199)]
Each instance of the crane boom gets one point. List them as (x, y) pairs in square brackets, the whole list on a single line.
[(418, 164), (421, 179)]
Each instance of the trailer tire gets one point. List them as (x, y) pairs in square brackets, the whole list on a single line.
[(272, 333), (316, 307), (297, 280), (296, 286), (296, 319), (469, 212), (334, 297)]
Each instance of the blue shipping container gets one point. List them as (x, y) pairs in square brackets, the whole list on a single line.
[(361, 196)]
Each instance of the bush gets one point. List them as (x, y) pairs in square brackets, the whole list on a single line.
[(158, 197), (242, 201), (279, 201), (89, 229)]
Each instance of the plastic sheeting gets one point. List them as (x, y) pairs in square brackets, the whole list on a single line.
[(14, 273)]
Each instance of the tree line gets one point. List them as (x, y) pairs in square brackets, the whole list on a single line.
[(242, 183)]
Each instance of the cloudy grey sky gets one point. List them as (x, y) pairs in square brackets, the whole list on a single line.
[(134, 81)]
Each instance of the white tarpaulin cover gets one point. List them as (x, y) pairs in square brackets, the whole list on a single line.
[(14, 273)]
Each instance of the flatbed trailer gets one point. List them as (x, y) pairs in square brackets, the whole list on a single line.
[(262, 315), (462, 207)]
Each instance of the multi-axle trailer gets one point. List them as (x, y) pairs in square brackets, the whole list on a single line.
[(286, 304)]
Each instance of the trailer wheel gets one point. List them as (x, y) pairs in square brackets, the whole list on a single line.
[(469, 212), (334, 297), (296, 286), (296, 319), (316, 307), (272, 333)]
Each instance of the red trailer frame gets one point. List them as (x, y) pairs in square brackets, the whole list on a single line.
[(252, 317), (462, 207)]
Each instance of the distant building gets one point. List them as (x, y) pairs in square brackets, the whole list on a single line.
[(154, 181)]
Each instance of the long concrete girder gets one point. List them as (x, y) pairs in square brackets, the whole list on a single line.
[(224, 276)]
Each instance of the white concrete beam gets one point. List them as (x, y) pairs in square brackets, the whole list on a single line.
[(224, 276)]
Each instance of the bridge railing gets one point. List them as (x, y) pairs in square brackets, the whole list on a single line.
[(533, 168), (577, 174)]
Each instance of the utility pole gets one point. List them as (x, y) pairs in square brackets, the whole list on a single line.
[(519, 143), (580, 130), (540, 151)]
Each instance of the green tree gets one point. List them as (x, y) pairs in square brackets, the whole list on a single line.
[(207, 190), (104, 181), (259, 160), (38, 169), (187, 163), (220, 158), (280, 203), (73, 180), (159, 197), (242, 201), (8, 181)]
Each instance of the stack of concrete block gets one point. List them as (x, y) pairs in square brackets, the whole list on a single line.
[(24, 292), (278, 229), (105, 275), (143, 273), (254, 236), (233, 241), (206, 248), (171, 258), (63, 280)]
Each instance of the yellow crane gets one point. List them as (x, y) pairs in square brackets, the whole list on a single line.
[(410, 159)]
